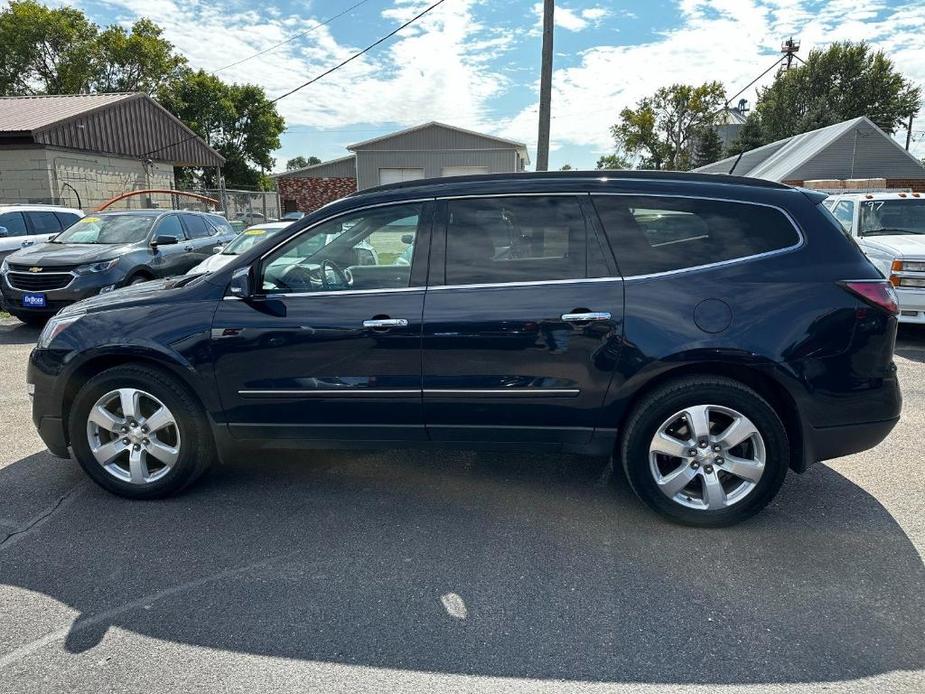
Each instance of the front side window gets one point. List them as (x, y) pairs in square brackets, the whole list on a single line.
[(13, 223), (516, 239), (844, 213), (652, 234), (887, 217), (108, 229), (362, 250)]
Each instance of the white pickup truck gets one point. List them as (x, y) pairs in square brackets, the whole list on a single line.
[(890, 229)]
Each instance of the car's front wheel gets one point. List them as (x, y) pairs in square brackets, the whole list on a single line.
[(138, 432), (705, 451)]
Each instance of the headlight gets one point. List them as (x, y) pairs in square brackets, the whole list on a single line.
[(57, 325), (102, 266)]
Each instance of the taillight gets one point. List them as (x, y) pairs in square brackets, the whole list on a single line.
[(877, 293)]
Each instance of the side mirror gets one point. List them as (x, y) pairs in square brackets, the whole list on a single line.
[(407, 239), (4, 232), (218, 249), (164, 241), (240, 285)]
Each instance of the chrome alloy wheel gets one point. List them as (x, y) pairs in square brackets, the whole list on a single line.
[(133, 436), (707, 457)]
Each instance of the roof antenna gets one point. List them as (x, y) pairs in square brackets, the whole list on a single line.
[(736, 162)]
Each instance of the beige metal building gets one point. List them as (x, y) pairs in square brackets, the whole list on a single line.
[(81, 150)]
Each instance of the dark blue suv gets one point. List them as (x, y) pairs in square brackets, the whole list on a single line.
[(710, 332)]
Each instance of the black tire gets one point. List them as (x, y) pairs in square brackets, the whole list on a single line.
[(197, 447), (138, 279), (661, 404)]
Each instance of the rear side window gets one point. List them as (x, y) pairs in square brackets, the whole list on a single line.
[(196, 226), (652, 234), (844, 213), (525, 239), (220, 224), (14, 223), (44, 222)]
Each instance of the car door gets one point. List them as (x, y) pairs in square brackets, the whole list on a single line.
[(521, 339), (332, 349), (201, 239), (168, 260), (42, 226), (13, 232)]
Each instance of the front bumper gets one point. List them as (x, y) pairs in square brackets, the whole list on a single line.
[(81, 287), (911, 305), (43, 378)]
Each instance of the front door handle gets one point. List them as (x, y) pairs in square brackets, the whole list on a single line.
[(585, 317), (386, 323)]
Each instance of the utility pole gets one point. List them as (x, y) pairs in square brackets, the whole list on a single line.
[(909, 133), (542, 141)]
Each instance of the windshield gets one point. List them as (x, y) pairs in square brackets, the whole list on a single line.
[(892, 217), (247, 240), (108, 229)]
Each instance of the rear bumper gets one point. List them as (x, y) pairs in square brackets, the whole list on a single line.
[(826, 443)]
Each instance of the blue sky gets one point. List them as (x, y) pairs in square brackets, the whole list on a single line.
[(475, 63)]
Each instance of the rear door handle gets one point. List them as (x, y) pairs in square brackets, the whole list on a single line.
[(386, 323), (585, 317)]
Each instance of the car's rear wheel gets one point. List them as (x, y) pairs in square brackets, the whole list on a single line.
[(705, 451), (139, 432)]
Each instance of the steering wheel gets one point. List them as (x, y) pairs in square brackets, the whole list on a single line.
[(339, 275)]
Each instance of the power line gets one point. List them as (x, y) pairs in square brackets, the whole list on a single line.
[(358, 53), (293, 37), (316, 78)]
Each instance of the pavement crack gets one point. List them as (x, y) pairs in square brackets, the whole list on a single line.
[(40, 518)]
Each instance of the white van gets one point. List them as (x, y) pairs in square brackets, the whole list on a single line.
[(24, 225)]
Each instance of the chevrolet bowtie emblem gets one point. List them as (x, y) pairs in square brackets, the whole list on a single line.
[(35, 269)]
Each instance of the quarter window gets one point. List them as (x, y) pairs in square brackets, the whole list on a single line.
[(652, 234), (370, 249), (518, 239)]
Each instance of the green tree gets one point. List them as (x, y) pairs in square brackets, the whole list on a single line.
[(236, 120), (301, 162), (750, 136), (60, 51), (137, 61), (708, 147), (843, 81), (661, 129), (614, 162), (45, 50)]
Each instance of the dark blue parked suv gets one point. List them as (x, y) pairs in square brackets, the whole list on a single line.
[(711, 332)]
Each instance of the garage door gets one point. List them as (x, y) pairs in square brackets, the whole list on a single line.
[(464, 170), (399, 175)]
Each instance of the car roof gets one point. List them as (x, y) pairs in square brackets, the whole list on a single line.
[(149, 211), (39, 208), (427, 185), (270, 225)]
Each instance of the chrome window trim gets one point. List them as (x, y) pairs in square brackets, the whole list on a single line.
[(534, 283), (343, 292)]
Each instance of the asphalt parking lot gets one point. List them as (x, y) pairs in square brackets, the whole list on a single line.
[(415, 572)]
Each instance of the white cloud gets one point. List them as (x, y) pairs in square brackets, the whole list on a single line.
[(571, 19), (732, 41)]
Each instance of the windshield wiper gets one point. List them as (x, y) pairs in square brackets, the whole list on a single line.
[(887, 231)]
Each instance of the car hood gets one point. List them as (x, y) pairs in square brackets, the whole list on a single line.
[(212, 263), (898, 244), (132, 294), (50, 254)]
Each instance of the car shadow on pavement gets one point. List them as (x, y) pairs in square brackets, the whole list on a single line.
[(910, 342), (481, 564), (13, 332)]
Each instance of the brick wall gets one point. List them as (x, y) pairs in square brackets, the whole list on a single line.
[(311, 193)]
